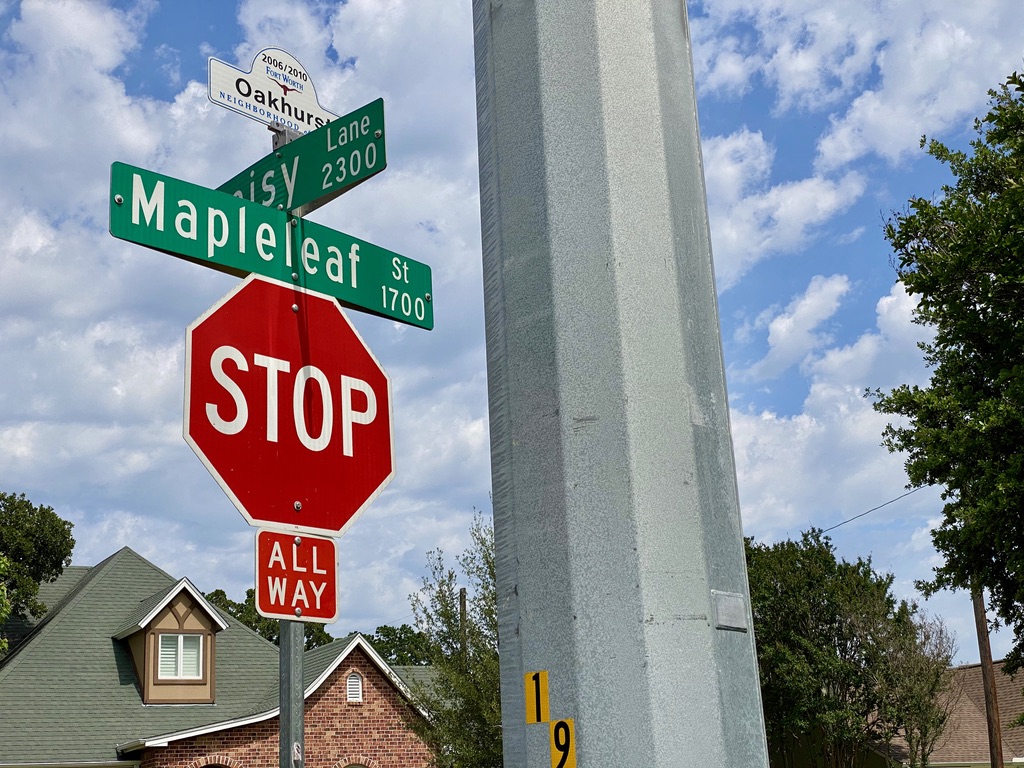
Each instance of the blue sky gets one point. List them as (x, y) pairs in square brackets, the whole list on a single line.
[(810, 117)]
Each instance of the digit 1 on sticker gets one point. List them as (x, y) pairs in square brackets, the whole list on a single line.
[(536, 687), (563, 744)]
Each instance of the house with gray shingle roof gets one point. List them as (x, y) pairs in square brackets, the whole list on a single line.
[(131, 667)]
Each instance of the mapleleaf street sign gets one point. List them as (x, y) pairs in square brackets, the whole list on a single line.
[(314, 169), (238, 236)]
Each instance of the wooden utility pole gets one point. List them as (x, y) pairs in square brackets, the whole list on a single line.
[(988, 679), (462, 628)]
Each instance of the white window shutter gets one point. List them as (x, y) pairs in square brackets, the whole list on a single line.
[(168, 663), (191, 655)]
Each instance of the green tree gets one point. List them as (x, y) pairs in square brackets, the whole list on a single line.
[(401, 646), (834, 648), (918, 686), (961, 256), (315, 635), (37, 544), (5, 602), (462, 702)]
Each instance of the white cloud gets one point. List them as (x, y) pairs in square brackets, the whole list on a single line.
[(812, 54), (909, 68), (883, 358), (833, 444), (750, 219), (77, 32), (825, 465), (933, 78), (793, 334), (721, 65)]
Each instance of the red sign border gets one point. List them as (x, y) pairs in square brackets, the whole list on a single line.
[(292, 616), (296, 528)]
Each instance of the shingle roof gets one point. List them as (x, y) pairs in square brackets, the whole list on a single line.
[(320, 661), (50, 594), (143, 609), (416, 676), (965, 739), (69, 689), (316, 661)]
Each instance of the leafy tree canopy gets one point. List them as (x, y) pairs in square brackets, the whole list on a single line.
[(37, 545), (463, 701), (843, 665), (245, 612), (401, 646), (961, 256), (5, 602)]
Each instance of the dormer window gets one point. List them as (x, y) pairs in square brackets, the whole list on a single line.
[(181, 657), (172, 638)]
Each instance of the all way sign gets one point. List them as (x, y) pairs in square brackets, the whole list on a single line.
[(296, 577)]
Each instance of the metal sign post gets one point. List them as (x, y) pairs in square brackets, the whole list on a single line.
[(291, 736), (291, 739), (624, 617)]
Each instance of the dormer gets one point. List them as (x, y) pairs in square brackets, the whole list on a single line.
[(172, 637)]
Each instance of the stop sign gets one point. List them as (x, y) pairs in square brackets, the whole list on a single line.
[(287, 407)]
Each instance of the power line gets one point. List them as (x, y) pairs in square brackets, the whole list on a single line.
[(890, 501)]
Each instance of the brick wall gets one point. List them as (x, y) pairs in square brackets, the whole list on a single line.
[(338, 733)]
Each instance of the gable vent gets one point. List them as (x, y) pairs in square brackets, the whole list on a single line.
[(354, 687)]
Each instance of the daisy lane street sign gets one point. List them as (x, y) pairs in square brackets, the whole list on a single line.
[(238, 236), (312, 170)]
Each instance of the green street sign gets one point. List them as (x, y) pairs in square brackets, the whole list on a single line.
[(314, 169), (234, 235)]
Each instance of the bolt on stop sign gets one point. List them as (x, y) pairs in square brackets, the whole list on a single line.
[(287, 408)]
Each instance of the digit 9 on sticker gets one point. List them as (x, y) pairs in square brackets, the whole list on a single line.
[(563, 744)]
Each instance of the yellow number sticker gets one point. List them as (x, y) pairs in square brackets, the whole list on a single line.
[(563, 744), (535, 685)]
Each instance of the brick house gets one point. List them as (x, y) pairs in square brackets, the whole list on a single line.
[(131, 668)]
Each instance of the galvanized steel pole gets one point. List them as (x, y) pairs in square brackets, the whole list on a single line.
[(291, 736), (291, 636), (624, 618)]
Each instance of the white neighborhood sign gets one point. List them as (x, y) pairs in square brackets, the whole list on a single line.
[(275, 89)]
